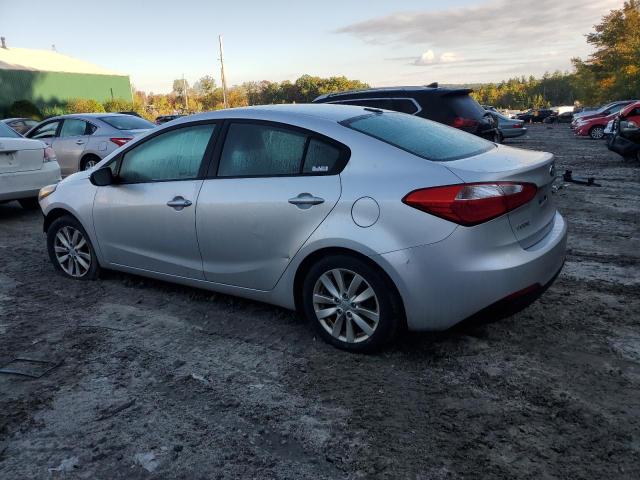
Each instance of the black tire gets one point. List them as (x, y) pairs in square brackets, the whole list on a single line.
[(499, 137), (597, 132), (29, 203), (57, 226), (89, 162), (389, 319)]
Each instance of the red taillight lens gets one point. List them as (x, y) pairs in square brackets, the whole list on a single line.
[(471, 203), (49, 155), (517, 125), (460, 122), (120, 140)]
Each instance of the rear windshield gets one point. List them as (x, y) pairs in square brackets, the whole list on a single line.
[(466, 107), (7, 131), (128, 122), (427, 139)]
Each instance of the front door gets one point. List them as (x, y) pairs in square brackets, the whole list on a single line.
[(70, 143), (274, 187), (147, 219)]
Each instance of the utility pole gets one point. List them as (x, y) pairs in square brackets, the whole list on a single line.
[(186, 98), (223, 79)]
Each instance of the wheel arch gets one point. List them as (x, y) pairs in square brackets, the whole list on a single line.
[(86, 156), (316, 255), (54, 215)]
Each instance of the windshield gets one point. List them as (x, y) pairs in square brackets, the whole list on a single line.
[(128, 122), (7, 131), (427, 139)]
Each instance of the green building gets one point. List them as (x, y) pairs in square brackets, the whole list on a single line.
[(48, 78)]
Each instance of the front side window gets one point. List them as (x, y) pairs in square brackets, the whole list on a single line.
[(45, 131), (175, 155), (257, 150), (425, 138), (72, 127)]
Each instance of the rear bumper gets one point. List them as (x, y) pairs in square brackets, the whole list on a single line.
[(513, 132), (444, 283), (17, 185)]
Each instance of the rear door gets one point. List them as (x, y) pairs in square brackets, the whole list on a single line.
[(274, 186), (70, 144)]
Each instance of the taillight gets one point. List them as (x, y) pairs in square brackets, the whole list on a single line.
[(517, 125), (49, 155), (461, 122), (471, 203), (120, 140)]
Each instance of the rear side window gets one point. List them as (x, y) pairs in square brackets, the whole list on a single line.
[(256, 150), (72, 127), (466, 107), (421, 137), (175, 155), (404, 105), (321, 157), (127, 122)]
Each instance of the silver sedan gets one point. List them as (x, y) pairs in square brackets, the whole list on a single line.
[(80, 141), (364, 220)]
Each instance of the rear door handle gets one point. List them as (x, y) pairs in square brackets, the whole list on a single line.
[(179, 203), (305, 200), (79, 142)]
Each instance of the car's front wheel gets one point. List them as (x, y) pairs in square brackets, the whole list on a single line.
[(70, 249), (350, 303), (596, 132)]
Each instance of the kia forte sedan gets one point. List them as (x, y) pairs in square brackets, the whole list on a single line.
[(364, 220)]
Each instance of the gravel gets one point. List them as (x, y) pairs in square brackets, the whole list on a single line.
[(163, 381)]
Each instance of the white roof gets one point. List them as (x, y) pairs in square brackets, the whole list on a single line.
[(47, 61)]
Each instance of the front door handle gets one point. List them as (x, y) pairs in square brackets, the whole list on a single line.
[(179, 203), (305, 200), (79, 142)]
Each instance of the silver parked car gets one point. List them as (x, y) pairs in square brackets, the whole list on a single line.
[(508, 127), (362, 219), (82, 140)]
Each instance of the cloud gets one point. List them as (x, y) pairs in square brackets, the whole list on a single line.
[(430, 58), (492, 23), (426, 58)]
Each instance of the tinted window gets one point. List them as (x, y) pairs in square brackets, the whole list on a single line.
[(404, 105), (72, 127), (45, 131), (465, 106), (175, 155), (127, 122), (421, 137), (6, 131), (321, 157), (254, 150)]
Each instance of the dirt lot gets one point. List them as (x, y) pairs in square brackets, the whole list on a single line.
[(160, 381)]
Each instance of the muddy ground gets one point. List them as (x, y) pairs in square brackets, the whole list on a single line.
[(162, 381)]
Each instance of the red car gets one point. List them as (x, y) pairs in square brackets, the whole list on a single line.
[(593, 125)]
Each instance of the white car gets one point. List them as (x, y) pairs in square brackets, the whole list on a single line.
[(25, 167)]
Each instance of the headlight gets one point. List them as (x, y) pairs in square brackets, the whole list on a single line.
[(46, 191)]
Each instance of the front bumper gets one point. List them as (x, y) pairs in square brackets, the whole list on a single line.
[(444, 283), (17, 185)]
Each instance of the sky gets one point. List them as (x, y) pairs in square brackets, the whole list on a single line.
[(381, 42)]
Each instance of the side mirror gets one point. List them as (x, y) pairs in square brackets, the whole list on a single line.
[(628, 127), (102, 177)]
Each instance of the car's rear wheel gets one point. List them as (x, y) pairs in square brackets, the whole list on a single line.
[(29, 203), (350, 303), (70, 249), (89, 162), (596, 132)]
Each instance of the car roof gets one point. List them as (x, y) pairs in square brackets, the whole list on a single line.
[(395, 90), (323, 111), (87, 115)]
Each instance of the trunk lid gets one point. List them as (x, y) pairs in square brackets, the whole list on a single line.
[(20, 155), (532, 221)]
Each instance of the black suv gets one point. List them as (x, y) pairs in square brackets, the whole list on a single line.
[(535, 115), (451, 106)]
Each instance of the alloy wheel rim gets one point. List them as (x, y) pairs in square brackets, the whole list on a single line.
[(597, 132), (346, 305), (90, 164), (72, 251)]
